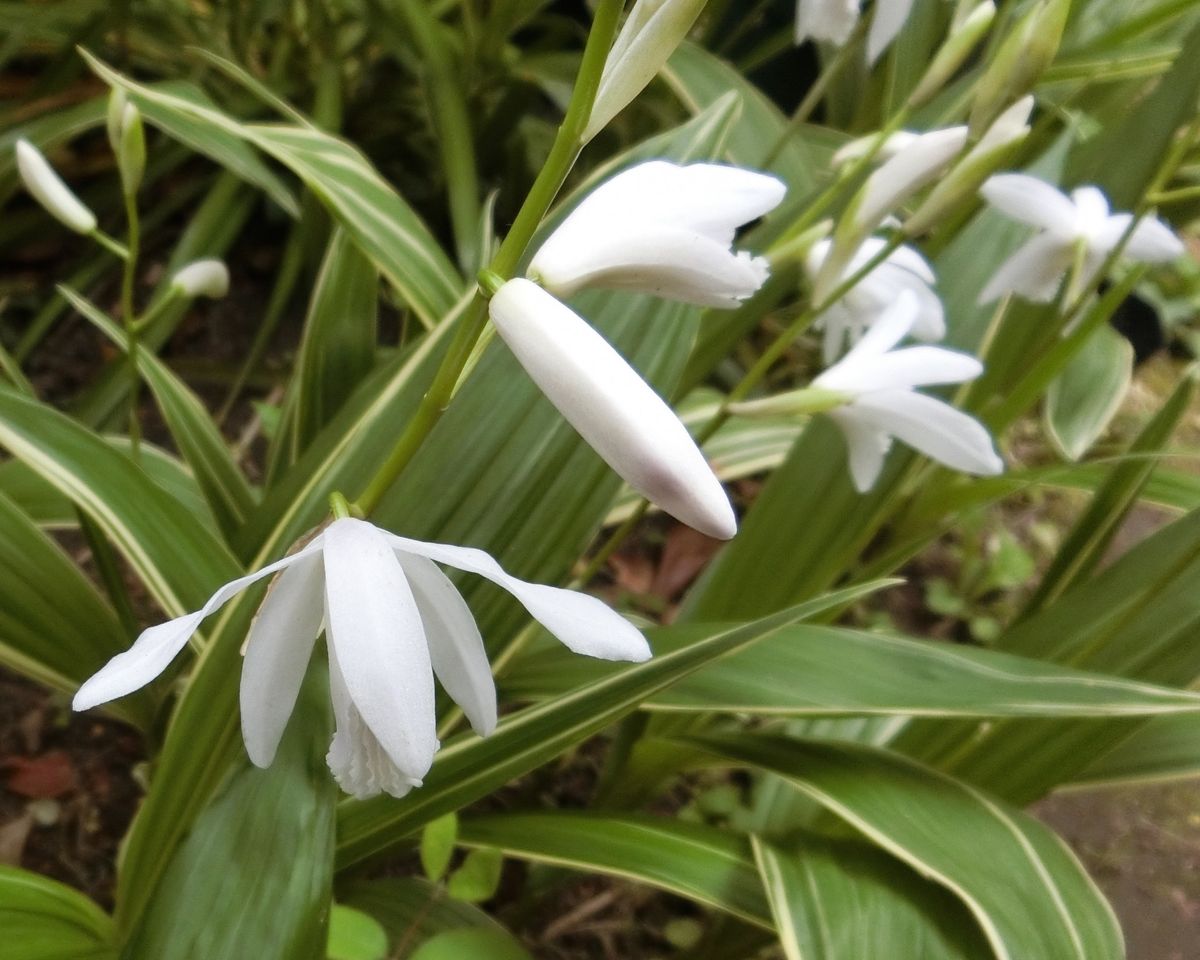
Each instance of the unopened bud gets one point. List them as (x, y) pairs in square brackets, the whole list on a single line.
[(203, 278), (130, 146), (954, 52), (1021, 60), (652, 31), (48, 189)]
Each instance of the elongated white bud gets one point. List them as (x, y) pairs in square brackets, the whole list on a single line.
[(611, 406), (48, 189), (203, 278), (652, 31)]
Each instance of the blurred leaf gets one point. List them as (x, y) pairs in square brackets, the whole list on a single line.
[(471, 945), (1166, 748), (478, 877), (438, 840), (1088, 393), (1034, 902), (354, 935), (845, 900), (43, 919)]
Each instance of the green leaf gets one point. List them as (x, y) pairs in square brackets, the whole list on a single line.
[(412, 909), (469, 768), (378, 219), (841, 899), (1033, 902), (354, 935), (478, 877), (44, 920), (180, 561), (1166, 748), (438, 840), (1088, 393), (710, 866), (224, 486), (471, 945), (338, 348), (258, 858), (54, 625), (807, 670)]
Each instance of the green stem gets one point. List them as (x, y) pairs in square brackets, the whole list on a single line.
[(567, 146), (112, 245), (129, 316)]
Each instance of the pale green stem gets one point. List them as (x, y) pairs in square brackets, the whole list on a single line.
[(567, 146), (129, 317)]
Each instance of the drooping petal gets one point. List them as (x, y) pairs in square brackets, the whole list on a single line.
[(677, 264), (933, 427), (866, 447), (356, 758), (1032, 201), (828, 20), (374, 632), (613, 408), (907, 172), (582, 623), (157, 646), (1033, 272), (886, 22), (893, 325), (639, 221), (1152, 241), (278, 649), (455, 646)]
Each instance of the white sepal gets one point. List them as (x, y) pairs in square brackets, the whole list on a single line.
[(203, 278)]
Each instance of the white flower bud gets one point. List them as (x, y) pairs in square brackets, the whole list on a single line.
[(203, 278), (48, 189)]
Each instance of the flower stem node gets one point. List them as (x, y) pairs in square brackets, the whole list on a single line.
[(611, 406), (393, 621), (48, 189)]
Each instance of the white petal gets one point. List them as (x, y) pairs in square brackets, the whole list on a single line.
[(829, 20), (907, 258), (893, 325), (1031, 201), (356, 758), (375, 634), (278, 649), (1011, 125), (157, 646), (653, 207), (893, 183), (902, 369), (1091, 210), (866, 447), (666, 262), (1153, 241), (455, 646), (1033, 272), (886, 22), (48, 189), (933, 427), (613, 408), (856, 149), (203, 278), (583, 623)]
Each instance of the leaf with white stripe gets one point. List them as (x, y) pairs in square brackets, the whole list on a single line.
[(383, 225), (1033, 901)]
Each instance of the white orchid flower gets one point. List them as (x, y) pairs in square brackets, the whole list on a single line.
[(665, 229), (48, 189), (611, 406), (202, 278), (834, 20), (854, 314), (1065, 223), (392, 621), (880, 383)]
